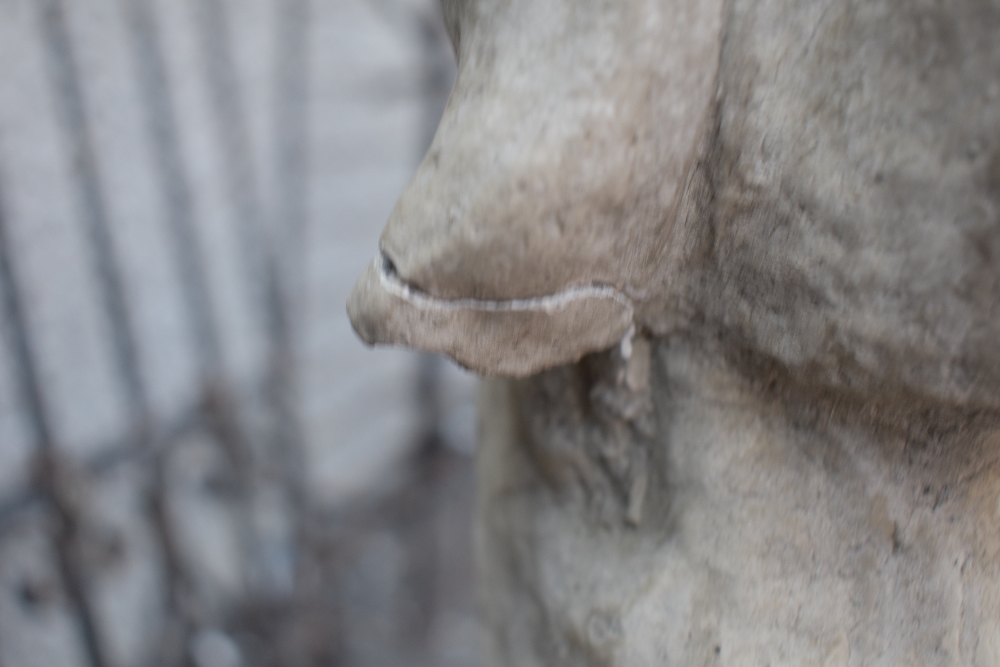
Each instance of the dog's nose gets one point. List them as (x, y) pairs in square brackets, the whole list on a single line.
[(513, 337), (540, 215)]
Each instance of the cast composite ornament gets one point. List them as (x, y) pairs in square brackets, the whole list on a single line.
[(787, 213)]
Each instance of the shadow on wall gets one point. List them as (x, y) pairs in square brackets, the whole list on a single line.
[(199, 463)]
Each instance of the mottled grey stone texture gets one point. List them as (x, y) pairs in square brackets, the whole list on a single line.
[(558, 162), (794, 460)]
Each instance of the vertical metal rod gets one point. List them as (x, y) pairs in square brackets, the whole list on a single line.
[(260, 262), (162, 127), (26, 372), (241, 178), (187, 259), (230, 126), (70, 103), (291, 86), (291, 83)]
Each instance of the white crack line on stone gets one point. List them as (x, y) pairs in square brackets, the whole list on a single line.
[(549, 303), (626, 344)]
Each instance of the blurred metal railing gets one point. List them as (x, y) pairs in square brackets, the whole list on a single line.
[(216, 408), (255, 429)]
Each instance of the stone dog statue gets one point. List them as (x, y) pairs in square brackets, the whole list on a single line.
[(739, 261)]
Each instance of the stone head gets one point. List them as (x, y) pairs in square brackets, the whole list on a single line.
[(818, 182)]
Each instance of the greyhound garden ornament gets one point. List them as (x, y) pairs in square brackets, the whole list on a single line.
[(740, 261)]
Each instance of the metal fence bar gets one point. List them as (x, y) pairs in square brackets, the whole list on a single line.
[(259, 255), (190, 267), (93, 209), (291, 87), (162, 127), (241, 180), (47, 477), (291, 82), (268, 462), (70, 104)]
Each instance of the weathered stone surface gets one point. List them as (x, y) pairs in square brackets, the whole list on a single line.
[(509, 337), (797, 464), (558, 165), (749, 521)]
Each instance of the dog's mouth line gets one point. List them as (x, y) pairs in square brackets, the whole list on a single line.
[(548, 303)]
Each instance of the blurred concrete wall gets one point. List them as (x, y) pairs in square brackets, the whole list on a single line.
[(187, 423)]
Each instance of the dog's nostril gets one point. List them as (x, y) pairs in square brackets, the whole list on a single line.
[(388, 269), (388, 266)]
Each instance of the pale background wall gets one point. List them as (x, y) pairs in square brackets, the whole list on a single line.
[(314, 516)]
